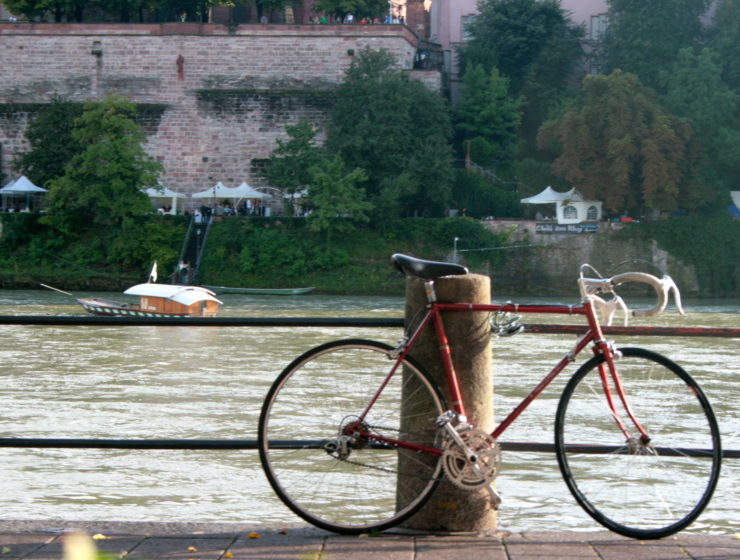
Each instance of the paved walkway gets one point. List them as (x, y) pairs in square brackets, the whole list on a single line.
[(40, 540)]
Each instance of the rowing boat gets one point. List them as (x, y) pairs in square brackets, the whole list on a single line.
[(260, 291)]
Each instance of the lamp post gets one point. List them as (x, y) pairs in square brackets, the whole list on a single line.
[(454, 249)]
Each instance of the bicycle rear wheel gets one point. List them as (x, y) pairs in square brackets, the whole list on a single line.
[(350, 485), (640, 491)]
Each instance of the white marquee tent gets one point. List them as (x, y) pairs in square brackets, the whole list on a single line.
[(570, 207), (247, 191), (219, 190), (164, 193)]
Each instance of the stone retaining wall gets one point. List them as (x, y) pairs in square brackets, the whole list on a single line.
[(226, 92)]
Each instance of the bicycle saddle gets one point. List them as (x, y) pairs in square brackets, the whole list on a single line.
[(429, 270)]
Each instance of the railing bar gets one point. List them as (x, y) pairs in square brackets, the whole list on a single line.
[(241, 444), (91, 320)]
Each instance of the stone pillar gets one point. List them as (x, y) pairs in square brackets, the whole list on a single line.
[(469, 335)]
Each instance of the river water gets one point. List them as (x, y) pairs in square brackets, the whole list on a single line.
[(208, 383)]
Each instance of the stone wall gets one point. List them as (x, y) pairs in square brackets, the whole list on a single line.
[(548, 264), (227, 92)]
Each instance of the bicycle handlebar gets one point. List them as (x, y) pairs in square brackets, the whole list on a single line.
[(590, 287)]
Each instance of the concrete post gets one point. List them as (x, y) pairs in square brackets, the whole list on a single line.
[(452, 508)]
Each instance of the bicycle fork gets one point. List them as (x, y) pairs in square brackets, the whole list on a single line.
[(609, 375)]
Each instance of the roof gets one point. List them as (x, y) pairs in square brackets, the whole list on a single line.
[(186, 295), (162, 192), (549, 195), (219, 190), (21, 185)]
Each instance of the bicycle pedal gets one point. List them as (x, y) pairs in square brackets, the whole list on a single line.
[(511, 330), (495, 497)]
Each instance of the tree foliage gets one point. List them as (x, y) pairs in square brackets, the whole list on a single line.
[(533, 44), (525, 40), (102, 184), (291, 161), (724, 38), (644, 38), (52, 145), (384, 123), (336, 199), (620, 146), (694, 90), (117, 10), (487, 112)]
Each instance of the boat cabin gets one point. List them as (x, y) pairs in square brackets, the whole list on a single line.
[(169, 299)]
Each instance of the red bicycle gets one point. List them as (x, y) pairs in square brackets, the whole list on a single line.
[(354, 435)]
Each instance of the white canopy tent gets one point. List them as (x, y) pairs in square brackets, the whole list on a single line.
[(247, 191), (237, 194), (165, 193), (21, 186), (219, 190), (570, 207)]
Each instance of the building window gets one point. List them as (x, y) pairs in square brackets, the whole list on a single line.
[(570, 212), (598, 26), (592, 214), (465, 34)]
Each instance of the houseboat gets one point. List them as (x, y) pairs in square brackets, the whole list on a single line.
[(158, 300)]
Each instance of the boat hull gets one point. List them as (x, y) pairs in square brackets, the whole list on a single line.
[(260, 291), (102, 307)]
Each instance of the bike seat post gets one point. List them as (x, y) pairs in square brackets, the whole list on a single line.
[(429, 290)]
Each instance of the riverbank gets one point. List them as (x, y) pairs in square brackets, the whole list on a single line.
[(283, 253), (151, 541)]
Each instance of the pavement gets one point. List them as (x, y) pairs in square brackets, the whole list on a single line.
[(40, 540)]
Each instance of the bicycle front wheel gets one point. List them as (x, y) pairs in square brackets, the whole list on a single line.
[(321, 470), (644, 491)]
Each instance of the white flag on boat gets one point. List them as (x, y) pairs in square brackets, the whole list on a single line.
[(153, 274)]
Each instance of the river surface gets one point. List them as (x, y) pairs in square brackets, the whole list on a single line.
[(208, 383)]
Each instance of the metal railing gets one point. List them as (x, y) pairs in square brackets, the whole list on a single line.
[(244, 444)]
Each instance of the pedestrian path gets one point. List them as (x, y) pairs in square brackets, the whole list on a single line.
[(41, 540)]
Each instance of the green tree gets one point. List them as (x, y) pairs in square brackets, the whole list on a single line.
[(101, 186), (526, 40), (695, 90), (535, 46), (118, 10), (56, 10), (30, 9), (620, 146), (337, 201), (289, 164), (486, 111), (52, 145), (380, 122), (644, 38), (724, 38)]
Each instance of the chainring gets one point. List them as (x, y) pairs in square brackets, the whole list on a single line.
[(461, 471)]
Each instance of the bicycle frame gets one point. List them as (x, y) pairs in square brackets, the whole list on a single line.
[(593, 334)]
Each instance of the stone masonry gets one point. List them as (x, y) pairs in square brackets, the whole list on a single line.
[(217, 97)]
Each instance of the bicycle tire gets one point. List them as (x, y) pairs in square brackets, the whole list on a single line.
[(643, 492), (377, 486)]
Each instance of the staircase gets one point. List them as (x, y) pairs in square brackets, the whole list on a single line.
[(188, 266)]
